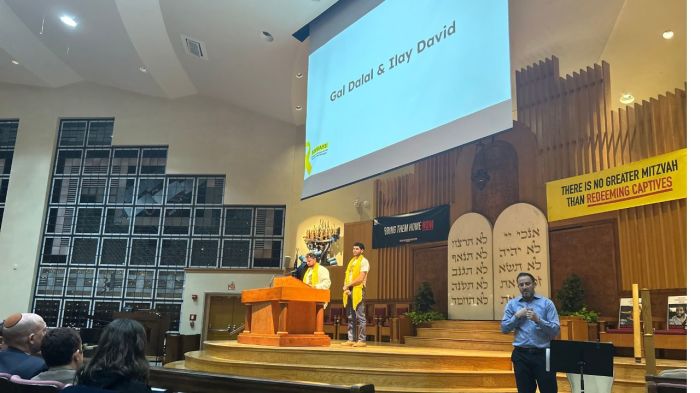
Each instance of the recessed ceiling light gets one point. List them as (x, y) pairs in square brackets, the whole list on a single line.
[(15, 62), (299, 75), (668, 34), (265, 35), (143, 69), (68, 21), (626, 98), (298, 107)]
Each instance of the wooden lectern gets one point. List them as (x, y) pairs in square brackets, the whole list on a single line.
[(289, 314), (154, 323)]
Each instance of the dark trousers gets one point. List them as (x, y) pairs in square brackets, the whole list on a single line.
[(530, 371)]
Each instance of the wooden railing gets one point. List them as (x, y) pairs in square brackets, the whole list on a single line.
[(187, 381)]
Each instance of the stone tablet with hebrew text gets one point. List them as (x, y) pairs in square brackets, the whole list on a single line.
[(520, 244), (470, 269)]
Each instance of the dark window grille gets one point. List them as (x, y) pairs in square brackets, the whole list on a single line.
[(119, 231)]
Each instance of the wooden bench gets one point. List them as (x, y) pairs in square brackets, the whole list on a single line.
[(178, 380), (663, 339)]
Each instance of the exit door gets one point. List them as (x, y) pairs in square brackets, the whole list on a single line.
[(225, 314)]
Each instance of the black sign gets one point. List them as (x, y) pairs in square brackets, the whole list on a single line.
[(423, 226)]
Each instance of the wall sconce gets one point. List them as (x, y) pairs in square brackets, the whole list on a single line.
[(481, 178), (360, 204)]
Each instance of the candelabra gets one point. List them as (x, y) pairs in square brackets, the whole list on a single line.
[(319, 240)]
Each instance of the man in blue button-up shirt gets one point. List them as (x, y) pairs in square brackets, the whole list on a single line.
[(536, 322)]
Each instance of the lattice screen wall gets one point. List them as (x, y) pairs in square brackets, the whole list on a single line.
[(8, 135), (119, 231)]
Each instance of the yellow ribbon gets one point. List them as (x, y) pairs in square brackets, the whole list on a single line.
[(353, 271), (307, 158), (314, 275)]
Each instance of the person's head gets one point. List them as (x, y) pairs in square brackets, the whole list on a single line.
[(680, 311), (311, 259), (25, 332), (526, 285), (62, 347), (121, 350), (358, 248)]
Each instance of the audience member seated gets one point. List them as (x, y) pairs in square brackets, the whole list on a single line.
[(62, 352), (2, 340), (20, 385), (119, 363), (23, 334)]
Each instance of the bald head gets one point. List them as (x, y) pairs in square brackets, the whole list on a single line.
[(24, 332)]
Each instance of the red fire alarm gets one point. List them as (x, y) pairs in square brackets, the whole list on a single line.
[(194, 297)]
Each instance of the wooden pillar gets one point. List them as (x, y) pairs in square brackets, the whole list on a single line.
[(377, 329), (282, 329), (649, 347), (319, 319), (248, 317), (636, 323)]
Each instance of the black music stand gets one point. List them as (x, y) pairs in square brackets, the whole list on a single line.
[(582, 357)]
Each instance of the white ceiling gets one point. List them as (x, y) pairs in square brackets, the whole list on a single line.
[(116, 37)]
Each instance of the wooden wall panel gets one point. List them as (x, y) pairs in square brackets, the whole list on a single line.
[(594, 247), (653, 237), (360, 231), (497, 163), (578, 133), (653, 245), (395, 274), (431, 184), (430, 265)]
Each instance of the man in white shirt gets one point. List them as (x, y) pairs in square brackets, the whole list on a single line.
[(354, 295), (316, 276)]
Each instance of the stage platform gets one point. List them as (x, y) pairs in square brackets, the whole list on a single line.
[(391, 368)]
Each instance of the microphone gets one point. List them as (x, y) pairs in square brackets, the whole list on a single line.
[(299, 271)]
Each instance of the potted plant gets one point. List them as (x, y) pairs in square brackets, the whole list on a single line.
[(423, 307), (573, 311), (591, 318)]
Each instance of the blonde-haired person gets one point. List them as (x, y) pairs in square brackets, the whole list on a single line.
[(23, 334)]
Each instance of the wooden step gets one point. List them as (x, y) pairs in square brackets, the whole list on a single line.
[(466, 325), (395, 368), (373, 356), (486, 335), (477, 345), (349, 374), (445, 390)]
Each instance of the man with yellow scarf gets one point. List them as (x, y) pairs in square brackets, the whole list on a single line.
[(316, 275), (354, 294)]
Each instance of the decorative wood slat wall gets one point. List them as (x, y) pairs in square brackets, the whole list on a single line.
[(432, 183), (653, 250), (578, 133), (568, 116)]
